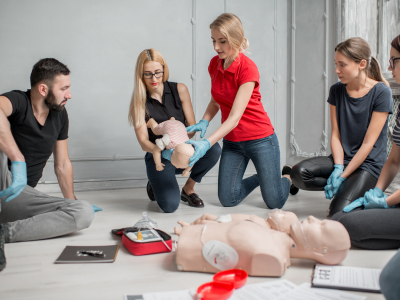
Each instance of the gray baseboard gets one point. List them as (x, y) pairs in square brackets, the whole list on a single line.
[(111, 184)]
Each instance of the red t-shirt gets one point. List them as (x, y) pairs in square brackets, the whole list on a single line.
[(255, 123)]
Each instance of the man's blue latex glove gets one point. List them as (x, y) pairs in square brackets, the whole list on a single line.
[(372, 199), (201, 126), (96, 208), (201, 147), (19, 180), (167, 154), (329, 188)]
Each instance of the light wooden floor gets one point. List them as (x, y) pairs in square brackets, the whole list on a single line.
[(32, 274)]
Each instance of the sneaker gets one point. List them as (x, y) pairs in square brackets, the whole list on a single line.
[(286, 170), (150, 193), (2, 242)]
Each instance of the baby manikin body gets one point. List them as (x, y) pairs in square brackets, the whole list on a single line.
[(174, 137), (260, 247)]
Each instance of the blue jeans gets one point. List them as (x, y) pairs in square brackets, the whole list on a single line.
[(264, 153), (390, 277), (164, 184)]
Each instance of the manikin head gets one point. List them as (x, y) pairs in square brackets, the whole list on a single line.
[(325, 241), (50, 78), (181, 155)]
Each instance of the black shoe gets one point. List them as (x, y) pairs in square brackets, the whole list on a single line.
[(286, 170), (150, 193), (193, 199), (2, 241)]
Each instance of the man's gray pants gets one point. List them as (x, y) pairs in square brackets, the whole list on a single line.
[(35, 216)]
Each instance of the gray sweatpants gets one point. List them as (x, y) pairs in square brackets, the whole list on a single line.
[(35, 216)]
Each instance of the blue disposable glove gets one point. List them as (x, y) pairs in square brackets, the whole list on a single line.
[(372, 199), (201, 147), (96, 208), (167, 154), (201, 126), (19, 180), (333, 182)]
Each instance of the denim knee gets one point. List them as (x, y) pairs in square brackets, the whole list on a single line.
[(226, 199), (169, 206), (83, 214)]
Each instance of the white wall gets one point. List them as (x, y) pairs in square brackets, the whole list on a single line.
[(100, 41)]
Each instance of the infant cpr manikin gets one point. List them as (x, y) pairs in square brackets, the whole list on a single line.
[(174, 137), (260, 247)]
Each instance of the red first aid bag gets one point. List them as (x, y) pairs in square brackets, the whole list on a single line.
[(144, 248)]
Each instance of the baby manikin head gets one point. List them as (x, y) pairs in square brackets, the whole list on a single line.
[(181, 155), (326, 241)]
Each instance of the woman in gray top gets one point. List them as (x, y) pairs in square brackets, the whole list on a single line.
[(369, 221), (359, 105)]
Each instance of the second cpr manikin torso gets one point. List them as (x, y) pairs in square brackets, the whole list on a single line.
[(257, 247)]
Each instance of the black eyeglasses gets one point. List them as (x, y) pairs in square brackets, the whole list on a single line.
[(150, 75), (392, 60)]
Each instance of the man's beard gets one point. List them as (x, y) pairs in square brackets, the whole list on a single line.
[(51, 102)]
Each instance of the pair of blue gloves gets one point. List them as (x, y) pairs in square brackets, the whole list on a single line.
[(201, 147), (374, 198), (334, 182), (19, 181)]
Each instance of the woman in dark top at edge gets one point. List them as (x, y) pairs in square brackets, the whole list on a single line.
[(359, 105), (155, 97)]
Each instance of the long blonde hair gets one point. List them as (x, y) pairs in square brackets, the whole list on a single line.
[(231, 27), (358, 49), (137, 108)]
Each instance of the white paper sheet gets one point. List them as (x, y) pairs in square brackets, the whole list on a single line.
[(304, 291), (347, 277), (263, 291)]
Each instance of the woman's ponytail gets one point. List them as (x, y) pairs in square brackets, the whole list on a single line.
[(374, 71)]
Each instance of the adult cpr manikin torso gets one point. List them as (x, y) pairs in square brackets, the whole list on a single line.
[(257, 247)]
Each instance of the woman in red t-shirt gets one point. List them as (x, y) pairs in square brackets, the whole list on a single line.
[(246, 129)]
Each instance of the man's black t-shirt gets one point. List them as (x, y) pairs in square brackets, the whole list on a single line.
[(36, 142)]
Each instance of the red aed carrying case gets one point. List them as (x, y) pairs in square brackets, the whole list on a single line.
[(142, 248)]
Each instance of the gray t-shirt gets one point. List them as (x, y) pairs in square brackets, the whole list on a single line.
[(354, 116)]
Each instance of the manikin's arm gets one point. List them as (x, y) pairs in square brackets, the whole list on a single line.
[(152, 124), (186, 172), (157, 158), (63, 169), (208, 218)]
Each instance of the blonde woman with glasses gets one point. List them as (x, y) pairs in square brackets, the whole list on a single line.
[(154, 97)]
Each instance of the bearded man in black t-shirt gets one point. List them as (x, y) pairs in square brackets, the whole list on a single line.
[(33, 125)]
